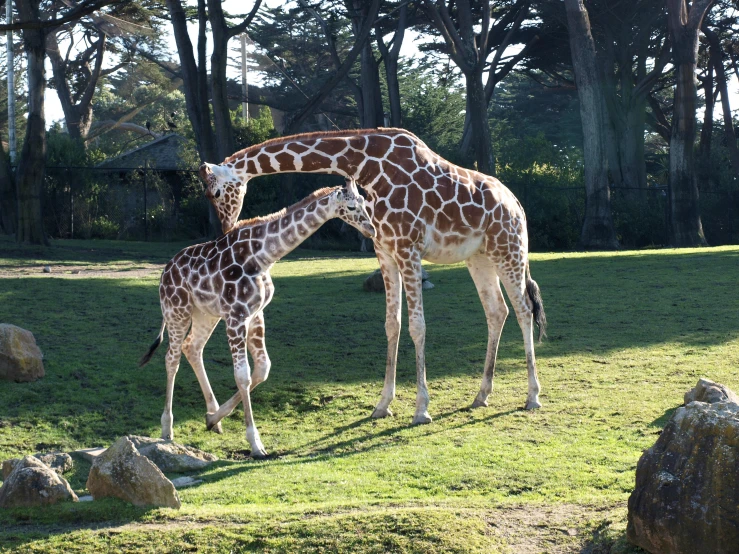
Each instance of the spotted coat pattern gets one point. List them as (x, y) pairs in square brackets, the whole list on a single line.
[(422, 207), (229, 279)]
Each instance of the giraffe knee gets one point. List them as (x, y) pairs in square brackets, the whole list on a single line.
[(417, 327), (261, 370), (392, 326)]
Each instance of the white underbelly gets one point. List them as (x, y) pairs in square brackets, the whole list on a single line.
[(446, 252)]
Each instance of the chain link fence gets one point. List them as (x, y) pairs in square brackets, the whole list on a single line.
[(163, 205), (130, 204)]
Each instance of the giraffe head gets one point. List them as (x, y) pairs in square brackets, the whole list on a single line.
[(225, 189), (348, 205)]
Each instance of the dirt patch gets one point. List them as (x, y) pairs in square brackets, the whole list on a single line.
[(65, 271)]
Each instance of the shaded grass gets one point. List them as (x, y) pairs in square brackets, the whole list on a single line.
[(629, 334)]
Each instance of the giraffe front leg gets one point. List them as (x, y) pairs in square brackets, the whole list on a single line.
[(393, 291), (242, 374), (410, 268)]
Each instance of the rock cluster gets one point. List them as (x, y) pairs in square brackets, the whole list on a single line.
[(20, 357), (686, 498), (171, 457), (375, 283), (33, 483), (59, 462)]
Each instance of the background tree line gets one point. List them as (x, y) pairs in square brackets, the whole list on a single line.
[(587, 109)]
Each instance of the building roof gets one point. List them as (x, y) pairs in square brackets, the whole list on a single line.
[(169, 151)]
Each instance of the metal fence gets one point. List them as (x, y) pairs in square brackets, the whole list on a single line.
[(122, 203), (153, 204)]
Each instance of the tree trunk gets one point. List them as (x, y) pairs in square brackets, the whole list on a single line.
[(686, 228), (631, 151), (390, 59), (30, 178), (8, 204), (218, 62), (477, 107), (704, 148), (598, 231), (717, 60), (194, 79), (372, 113)]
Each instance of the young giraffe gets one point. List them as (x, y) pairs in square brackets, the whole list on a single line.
[(422, 207), (229, 279)]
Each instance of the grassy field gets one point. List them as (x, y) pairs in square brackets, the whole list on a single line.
[(629, 333)]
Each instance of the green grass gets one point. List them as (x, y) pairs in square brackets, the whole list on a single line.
[(629, 333)]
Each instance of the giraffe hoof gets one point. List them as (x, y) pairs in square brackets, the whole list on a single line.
[(381, 412), (532, 405), (212, 425), (420, 419), (259, 454), (479, 403)]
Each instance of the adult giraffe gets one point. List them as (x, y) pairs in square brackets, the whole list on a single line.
[(422, 207)]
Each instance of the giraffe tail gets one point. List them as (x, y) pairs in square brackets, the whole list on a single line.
[(535, 295), (146, 357)]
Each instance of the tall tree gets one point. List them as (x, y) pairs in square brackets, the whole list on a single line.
[(684, 23), (369, 76), (390, 55), (598, 231), (717, 63), (456, 22)]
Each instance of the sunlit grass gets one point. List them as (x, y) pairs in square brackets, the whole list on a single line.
[(629, 333)]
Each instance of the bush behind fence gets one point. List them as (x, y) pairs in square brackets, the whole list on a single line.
[(163, 205)]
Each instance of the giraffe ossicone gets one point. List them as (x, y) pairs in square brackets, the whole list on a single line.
[(422, 207), (229, 279)]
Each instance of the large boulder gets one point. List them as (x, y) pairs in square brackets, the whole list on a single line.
[(708, 391), (171, 457), (33, 483), (122, 472), (20, 357), (57, 461), (686, 499)]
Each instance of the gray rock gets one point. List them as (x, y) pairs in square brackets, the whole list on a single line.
[(47, 269), (122, 472), (32, 483), (89, 454), (375, 283), (708, 391), (86, 498), (20, 357), (182, 482), (171, 457), (686, 498), (57, 461)]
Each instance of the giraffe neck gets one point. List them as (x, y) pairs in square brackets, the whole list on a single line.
[(358, 155), (283, 231)]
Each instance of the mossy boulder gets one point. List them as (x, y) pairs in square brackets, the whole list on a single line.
[(686, 499), (20, 358)]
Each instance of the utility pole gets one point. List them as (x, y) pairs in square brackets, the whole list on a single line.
[(11, 82), (244, 84)]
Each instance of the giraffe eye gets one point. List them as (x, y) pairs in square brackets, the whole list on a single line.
[(218, 194)]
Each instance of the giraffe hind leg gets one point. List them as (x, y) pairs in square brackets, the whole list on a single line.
[(176, 331), (201, 330), (488, 288), (515, 285)]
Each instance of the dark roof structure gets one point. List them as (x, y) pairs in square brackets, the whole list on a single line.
[(168, 152)]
